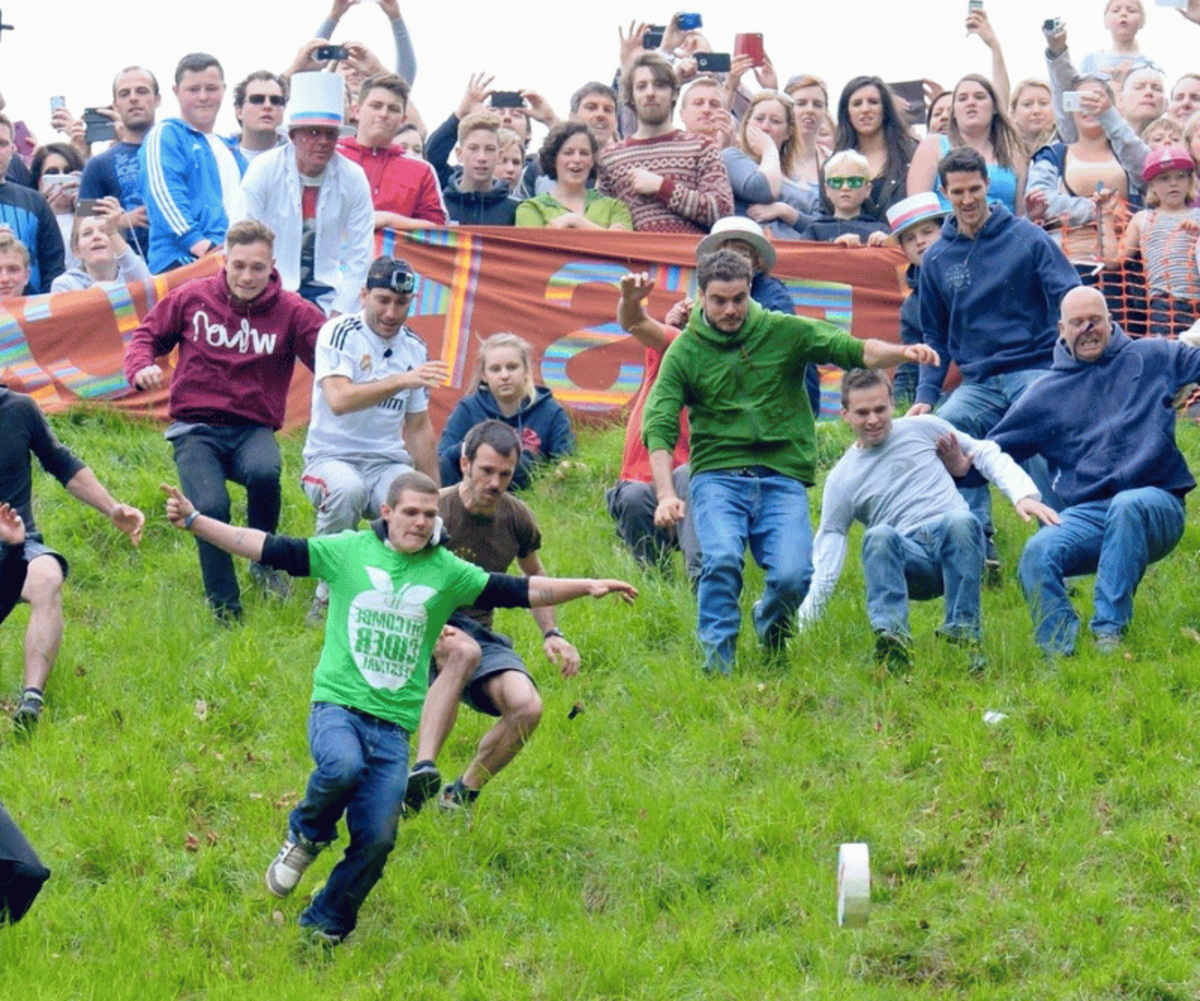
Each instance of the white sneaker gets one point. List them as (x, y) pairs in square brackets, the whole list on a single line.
[(290, 864)]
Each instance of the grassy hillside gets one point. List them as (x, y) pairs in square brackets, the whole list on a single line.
[(677, 840)]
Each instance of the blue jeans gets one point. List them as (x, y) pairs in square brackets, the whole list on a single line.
[(940, 556), (362, 771), (770, 513), (974, 408), (1116, 540)]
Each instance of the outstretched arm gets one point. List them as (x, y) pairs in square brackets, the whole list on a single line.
[(84, 486), (884, 354), (182, 513), (557, 590)]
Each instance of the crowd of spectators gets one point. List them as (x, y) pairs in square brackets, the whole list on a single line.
[(657, 142)]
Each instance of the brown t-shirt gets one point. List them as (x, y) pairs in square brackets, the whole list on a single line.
[(489, 541)]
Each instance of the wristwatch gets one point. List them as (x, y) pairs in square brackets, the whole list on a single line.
[(553, 632)]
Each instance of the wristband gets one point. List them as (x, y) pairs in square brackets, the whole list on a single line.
[(553, 632), (187, 522)]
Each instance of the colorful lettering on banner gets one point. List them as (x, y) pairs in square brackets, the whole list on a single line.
[(555, 358), (90, 386), (16, 354), (85, 333)]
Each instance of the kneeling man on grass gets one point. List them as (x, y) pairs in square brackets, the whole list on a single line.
[(921, 539), (392, 588)]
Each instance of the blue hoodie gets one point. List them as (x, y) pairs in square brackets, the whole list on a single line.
[(990, 303), (542, 425), (1107, 425)]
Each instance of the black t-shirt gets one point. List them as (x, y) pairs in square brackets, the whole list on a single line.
[(25, 432)]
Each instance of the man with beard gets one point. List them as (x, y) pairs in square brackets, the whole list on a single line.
[(672, 181), (489, 527), (739, 369)]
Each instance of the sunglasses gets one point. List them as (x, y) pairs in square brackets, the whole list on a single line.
[(275, 99), (845, 182)]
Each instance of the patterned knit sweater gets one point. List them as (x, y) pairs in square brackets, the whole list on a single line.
[(695, 191)]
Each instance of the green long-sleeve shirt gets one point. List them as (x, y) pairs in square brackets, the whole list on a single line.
[(744, 391)]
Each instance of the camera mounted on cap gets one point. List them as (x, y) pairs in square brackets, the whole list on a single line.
[(393, 274)]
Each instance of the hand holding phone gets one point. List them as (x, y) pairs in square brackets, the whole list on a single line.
[(331, 53), (712, 62), (750, 44)]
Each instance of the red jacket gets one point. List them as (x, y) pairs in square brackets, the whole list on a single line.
[(399, 183), (235, 359)]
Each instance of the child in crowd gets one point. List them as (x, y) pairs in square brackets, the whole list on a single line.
[(512, 159), (507, 393), (1163, 131), (1164, 234), (1123, 19), (474, 197), (102, 252), (917, 225), (847, 186)]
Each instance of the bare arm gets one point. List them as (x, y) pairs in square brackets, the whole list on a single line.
[(671, 508), (884, 354), (632, 315), (85, 487), (233, 539), (346, 397), (977, 22), (421, 443), (556, 590), (923, 169), (556, 648)]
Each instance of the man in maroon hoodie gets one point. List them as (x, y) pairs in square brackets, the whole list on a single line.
[(404, 189), (239, 334)]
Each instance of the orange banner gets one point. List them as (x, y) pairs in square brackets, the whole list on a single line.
[(556, 288)]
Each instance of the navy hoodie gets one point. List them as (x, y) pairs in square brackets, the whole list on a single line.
[(990, 304), (479, 208), (542, 425), (1108, 425)]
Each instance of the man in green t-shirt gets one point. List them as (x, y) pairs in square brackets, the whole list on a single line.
[(391, 589)]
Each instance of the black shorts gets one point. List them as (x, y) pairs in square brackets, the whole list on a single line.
[(35, 546), (497, 656)]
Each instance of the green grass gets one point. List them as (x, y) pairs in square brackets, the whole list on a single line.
[(677, 840)]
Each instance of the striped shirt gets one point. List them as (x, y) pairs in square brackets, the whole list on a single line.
[(695, 192)]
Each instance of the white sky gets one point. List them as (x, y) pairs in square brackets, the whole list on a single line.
[(74, 47)]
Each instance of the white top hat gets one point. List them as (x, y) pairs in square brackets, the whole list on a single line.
[(317, 99)]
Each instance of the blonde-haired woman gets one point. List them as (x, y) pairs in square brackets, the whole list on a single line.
[(762, 164), (506, 392)]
